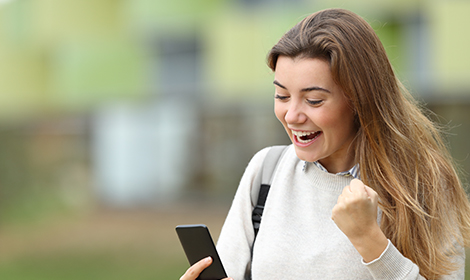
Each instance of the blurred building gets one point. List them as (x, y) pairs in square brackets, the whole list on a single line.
[(145, 101)]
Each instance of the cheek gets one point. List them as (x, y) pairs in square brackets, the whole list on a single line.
[(333, 122), (341, 121), (324, 119)]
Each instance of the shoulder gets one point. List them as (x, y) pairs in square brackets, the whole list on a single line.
[(259, 157)]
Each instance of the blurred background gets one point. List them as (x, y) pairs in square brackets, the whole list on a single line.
[(120, 119)]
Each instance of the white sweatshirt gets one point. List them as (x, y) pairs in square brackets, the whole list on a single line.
[(297, 238)]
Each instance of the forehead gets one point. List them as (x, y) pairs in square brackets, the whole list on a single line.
[(303, 72)]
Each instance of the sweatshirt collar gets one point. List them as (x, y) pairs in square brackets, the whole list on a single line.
[(353, 172)]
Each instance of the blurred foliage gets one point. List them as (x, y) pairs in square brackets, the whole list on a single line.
[(44, 173)]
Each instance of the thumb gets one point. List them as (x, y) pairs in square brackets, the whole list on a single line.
[(371, 194)]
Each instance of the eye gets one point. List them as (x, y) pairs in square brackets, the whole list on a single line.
[(281, 97), (314, 102)]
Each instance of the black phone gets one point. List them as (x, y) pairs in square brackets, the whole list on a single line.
[(198, 244)]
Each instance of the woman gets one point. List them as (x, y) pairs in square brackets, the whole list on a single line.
[(367, 190)]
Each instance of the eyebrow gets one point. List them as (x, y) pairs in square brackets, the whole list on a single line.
[(304, 89)]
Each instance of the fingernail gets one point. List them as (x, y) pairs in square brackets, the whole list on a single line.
[(208, 259)]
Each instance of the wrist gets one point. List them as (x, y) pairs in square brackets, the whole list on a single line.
[(371, 244)]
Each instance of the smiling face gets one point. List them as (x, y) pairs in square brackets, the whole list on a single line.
[(315, 112)]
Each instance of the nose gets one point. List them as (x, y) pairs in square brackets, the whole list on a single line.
[(295, 113)]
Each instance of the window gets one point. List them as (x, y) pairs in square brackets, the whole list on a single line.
[(179, 65)]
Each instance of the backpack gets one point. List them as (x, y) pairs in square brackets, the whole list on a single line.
[(262, 183)]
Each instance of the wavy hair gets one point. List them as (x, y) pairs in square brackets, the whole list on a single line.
[(402, 155)]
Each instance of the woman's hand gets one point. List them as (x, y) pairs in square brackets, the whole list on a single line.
[(193, 272), (355, 214)]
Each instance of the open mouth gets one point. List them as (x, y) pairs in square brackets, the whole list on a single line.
[(305, 137)]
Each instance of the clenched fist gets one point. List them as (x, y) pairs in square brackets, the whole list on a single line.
[(355, 214)]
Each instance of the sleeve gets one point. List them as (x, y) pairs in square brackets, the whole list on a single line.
[(237, 235), (393, 265)]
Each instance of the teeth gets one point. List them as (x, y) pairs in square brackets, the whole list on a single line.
[(300, 134)]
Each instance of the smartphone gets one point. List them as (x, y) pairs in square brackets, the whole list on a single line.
[(197, 244)]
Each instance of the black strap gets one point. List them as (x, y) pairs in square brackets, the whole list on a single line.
[(269, 165), (259, 208)]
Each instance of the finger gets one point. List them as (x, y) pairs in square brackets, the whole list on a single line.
[(346, 191), (358, 187), (370, 191), (356, 184), (372, 194), (193, 272)]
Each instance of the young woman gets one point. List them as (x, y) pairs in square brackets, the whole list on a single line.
[(367, 190)]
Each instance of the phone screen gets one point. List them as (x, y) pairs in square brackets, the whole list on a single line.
[(198, 244)]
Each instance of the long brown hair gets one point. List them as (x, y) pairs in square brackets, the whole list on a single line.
[(426, 213)]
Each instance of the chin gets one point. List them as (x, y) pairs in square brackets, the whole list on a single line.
[(305, 156)]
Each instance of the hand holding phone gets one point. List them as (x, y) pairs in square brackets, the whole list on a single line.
[(198, 244)]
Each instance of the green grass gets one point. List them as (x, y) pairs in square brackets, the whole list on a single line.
[(101, 266), (104, 246)]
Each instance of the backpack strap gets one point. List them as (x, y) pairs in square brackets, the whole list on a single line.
[(262, 183)]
